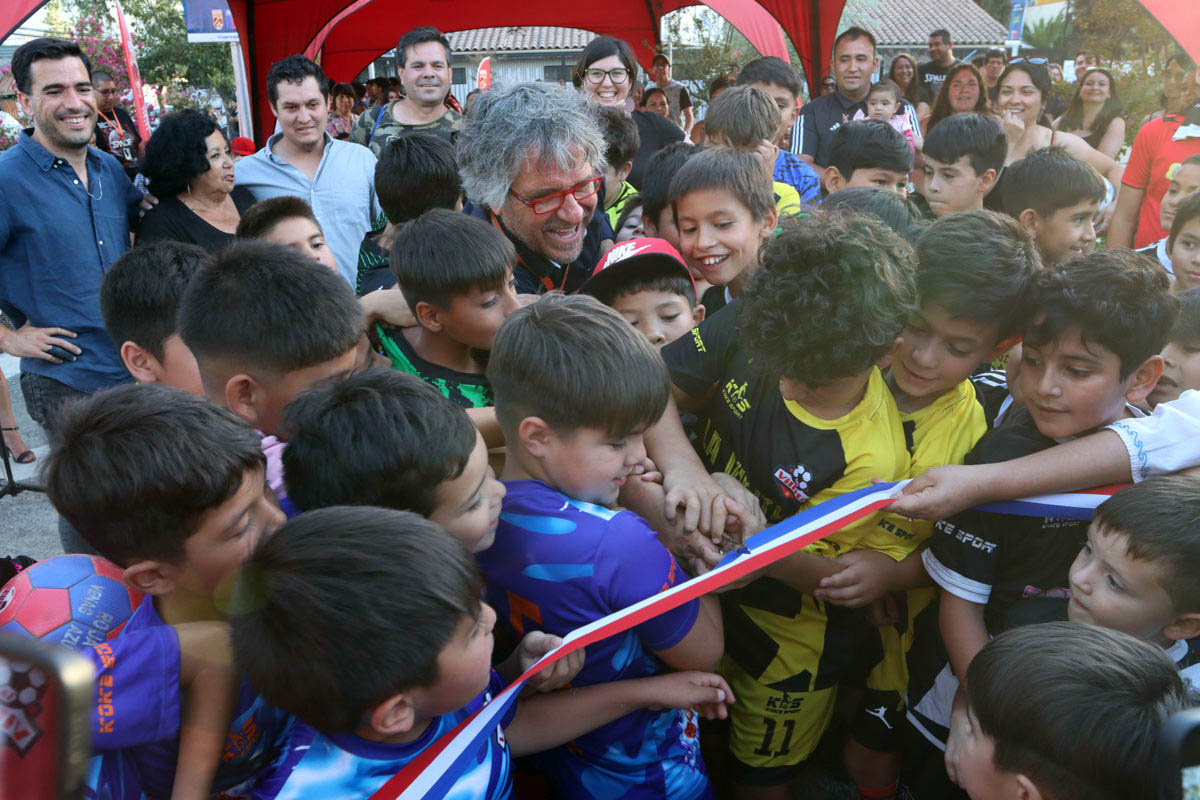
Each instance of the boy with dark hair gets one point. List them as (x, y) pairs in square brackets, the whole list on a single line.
[(963, 155), (1181, 356), (658, 218), (170, 488), (799, 413), (1033, 690), (1132, 575), (974, 273), (1184, 180), (265, 323), (1183, 243), (868, 153), (289, 221), (459, 302), (139, 299), (780, 80), (416, 172), (423, 455), (1090, 354), (647, 282), (575, 388), (621, 143), (724, 210), (746, 118), (1055, 197), (387, 673)]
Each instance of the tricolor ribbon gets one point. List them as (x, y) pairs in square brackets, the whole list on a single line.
[(439, 766)]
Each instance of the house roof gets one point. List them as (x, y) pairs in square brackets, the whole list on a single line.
[(530, 38), (901, 22)]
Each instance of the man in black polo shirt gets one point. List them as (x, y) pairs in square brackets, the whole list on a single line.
[(854, 63), (941, 58)]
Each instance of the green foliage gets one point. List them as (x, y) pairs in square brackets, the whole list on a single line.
[(999, 10), (165, 57), (1120, 30), (1051, 37)]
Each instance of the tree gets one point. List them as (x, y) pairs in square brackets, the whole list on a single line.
[(1051, 37), (1120, 30), (165, 57)]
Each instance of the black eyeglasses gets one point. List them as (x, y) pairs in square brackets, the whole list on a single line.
[(618, 75)]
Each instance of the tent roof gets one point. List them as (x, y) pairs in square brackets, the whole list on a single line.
[(900, 22), (501, 40)]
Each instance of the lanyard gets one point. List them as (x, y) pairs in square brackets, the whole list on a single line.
[(545, 279), (115, 122)]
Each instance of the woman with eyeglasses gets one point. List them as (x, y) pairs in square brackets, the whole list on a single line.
[(1024, 89), (1159, 147), (1094, 113), (605, 72)]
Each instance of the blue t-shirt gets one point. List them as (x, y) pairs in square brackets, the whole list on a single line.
[(338, 765), (135, 722), (559, 563), (800, 176)]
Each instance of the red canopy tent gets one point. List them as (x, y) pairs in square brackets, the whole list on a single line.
[(350, 34)]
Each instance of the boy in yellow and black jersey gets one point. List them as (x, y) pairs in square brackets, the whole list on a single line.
[(793, 404), (974, 274)]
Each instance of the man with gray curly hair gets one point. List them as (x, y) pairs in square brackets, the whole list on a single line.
[(531, 156)]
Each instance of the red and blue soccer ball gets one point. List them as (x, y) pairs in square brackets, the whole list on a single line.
[(76, 601)]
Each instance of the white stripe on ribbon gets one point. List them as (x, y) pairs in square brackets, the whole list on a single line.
[(437, 768)]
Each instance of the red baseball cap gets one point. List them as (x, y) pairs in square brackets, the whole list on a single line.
[(242, 146), (628, 258)]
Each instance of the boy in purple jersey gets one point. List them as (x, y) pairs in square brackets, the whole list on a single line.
[(170, 488), (575, 387), (367, 624)]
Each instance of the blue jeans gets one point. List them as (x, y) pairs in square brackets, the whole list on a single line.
[(44, 398)]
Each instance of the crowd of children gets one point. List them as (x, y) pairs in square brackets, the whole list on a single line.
[(354, 528)]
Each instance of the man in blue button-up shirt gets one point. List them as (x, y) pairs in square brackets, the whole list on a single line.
[(64, 218), (336, 178)]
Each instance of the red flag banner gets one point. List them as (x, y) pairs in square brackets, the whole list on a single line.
[(135, 77), (483, 76), (1180, 19)]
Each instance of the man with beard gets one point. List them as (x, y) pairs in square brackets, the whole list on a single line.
[(530, 157), (423, 64), (65, 215)]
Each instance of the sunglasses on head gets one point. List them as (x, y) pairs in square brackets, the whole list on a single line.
[(1019, 59)]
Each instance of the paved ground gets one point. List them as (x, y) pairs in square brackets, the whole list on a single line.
[(28, 524)]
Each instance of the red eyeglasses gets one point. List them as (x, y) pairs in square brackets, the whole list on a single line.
[(548, 204)]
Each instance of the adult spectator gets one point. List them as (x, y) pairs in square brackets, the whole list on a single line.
[(1084, 60), (336, 178), (1021, 101), (604, 72), (655, 101), (941, 58), (1173, 97), (828, 85), (854, 62), (994, 62), (360, 92), (530, 157), (962, 93), (116, 132), (1094, 113), (191, 172), (376, 87), (678, 101), (903, 73), (423, 66), (65, 215), (1159, 148), (341, 116)]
